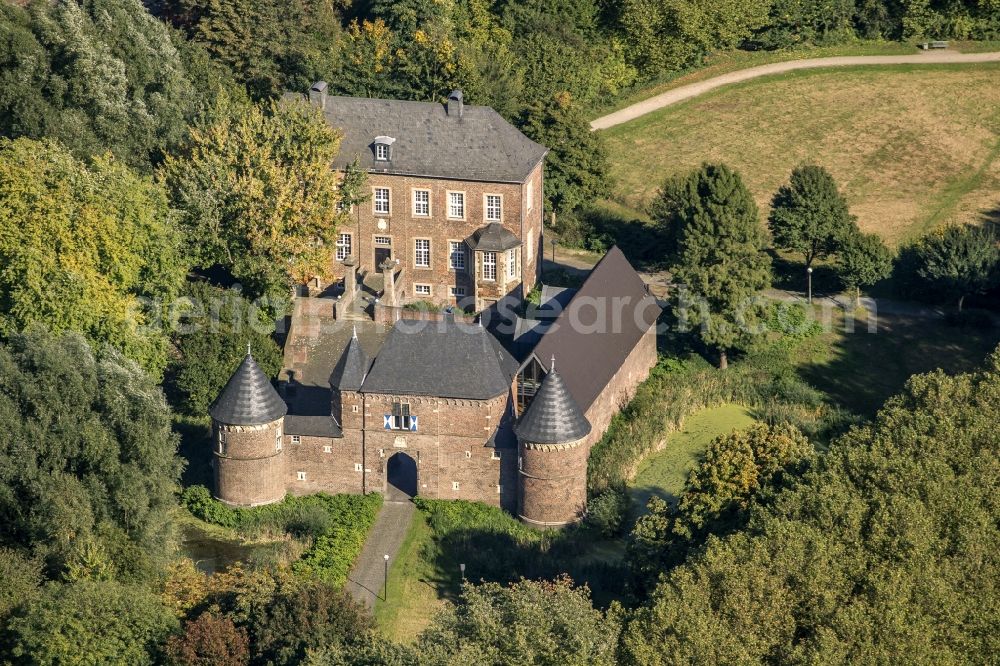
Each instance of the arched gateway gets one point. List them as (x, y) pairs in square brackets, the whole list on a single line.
[(401, 477)]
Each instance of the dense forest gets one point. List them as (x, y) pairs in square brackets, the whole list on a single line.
[(150, 179)]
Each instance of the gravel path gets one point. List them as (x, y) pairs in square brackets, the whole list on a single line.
[(694, 89), (366, 580)]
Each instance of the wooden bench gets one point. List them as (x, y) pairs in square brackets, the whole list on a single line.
[(934, 45)]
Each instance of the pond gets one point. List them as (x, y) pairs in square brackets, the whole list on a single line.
[(211, 552)]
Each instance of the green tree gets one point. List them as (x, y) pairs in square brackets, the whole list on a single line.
[(258, 196), (862, 261), (213, 328), (20, 579), (209, 640), (90, 622), (720, 259), (809, 216), (802, 22), (883, 548), (93, 493), (529, 622), (576, 169), (101, 75), (84, 247), (958, 261)]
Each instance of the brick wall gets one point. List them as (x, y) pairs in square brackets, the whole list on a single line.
[(402, 227), (329, 465), (553, 483), (250, 469)]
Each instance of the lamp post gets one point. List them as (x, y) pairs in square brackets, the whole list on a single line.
[(385, 597), (553, 250), (809, 277), (461, 568)]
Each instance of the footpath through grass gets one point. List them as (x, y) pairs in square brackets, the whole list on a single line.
[(664, 473), (912, 147)]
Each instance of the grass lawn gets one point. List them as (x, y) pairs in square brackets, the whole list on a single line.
[(724, 62), (665, 472), (860, 370), (912, 147), (417, 588)]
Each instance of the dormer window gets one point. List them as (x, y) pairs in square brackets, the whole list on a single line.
[(383, 148)]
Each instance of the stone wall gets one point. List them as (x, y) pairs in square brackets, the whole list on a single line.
[(250, 468), (553, 483), (402, 228)]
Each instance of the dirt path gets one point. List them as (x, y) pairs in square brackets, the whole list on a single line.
[(694, 89)]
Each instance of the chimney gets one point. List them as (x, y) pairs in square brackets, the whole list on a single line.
[(317, 94), (455, 103)]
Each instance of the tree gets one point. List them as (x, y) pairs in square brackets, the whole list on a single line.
[(258, 196), (214, 327), (809, 215), (89, 622), (98, 76), (862, 261), (959, 261), (720, 258), (209, 640), (87, 466), (529, 622), (576, 170), (884, 547), (87, 247)]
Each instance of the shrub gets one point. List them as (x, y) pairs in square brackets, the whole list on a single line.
[(608, 513)]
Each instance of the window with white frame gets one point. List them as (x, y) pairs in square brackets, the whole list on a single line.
[(296, 439), (383, 241), (327, 449), (381, 152), (422, 253), (422, 289), (455, 485), (358, 467), (493, 208), (499, 489), (457, 292), (301, 476), (222, 443), (531, 194), (343, 246), (421, 203), (511, 263), (489, 265), (277, 441), (456, 255), (400, 418), (495, 455), (456, 205), (381, 200)]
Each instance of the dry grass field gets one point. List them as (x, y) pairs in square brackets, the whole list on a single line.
[(912, 147)]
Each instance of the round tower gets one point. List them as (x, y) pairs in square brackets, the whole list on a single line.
[(552, 462), (247, 429)]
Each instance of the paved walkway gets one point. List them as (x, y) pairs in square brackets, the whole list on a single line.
[(367, 579), (694, 89)]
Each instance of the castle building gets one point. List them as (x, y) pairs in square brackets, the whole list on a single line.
[(442, 408), (455, 197)]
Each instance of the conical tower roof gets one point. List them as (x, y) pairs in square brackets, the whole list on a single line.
[(350, 370), (553, 417), (248, 398)]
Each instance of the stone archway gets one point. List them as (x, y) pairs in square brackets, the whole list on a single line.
[(401, 477)]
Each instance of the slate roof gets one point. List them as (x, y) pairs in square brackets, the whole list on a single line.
[(248, 398), (612, 310), (478, 145), (553, 417), (446, 359), (555, 297), (350, 370), (493, 238), (312, 426)]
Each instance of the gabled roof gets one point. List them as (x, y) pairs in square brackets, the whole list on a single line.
[(312, 426), (476, 145), (493, 238), (446, 359), (599, 327), (350, 370), (553, 417), (248, 398)]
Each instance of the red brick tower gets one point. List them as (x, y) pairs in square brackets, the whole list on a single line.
[(247, 424), (552, 464)]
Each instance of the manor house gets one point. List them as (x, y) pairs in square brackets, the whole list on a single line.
[(444, 407)]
